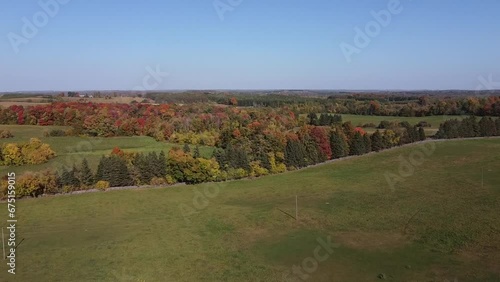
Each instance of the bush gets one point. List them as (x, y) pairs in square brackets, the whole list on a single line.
[(34, 152), (38, 183), (257, 170), (68, 189), (102, 185), (5, 134), (54, 133), (158, 181), (423, 124), (237, 173), (170, 180), (70, 132)]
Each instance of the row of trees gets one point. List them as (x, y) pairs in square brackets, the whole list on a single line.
[(469, 127), (324, 119), (307, 145)]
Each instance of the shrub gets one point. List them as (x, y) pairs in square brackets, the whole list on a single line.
[(170, 180), (237, 173), (57, 133), (158, 181), (34, 152), (69, 132), (102, 185), (423, 124), (257, 170), (5, 134), (39, 183), (68, 189)]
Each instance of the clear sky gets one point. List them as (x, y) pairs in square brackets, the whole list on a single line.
[(254, 44)]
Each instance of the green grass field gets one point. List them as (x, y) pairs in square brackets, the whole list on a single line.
[(439, 224), (71, 149)]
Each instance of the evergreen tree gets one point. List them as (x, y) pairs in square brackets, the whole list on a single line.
[(294, 154), (357, 145), (141, 162), (186, 148), (118, 172), (65, 178), (313, 118), (114, 170), (340, 148), (74, 177), (469, 127), (421, 134), (162, 165), (86, 176), (220, 157), (312, 152), (241, 158), (101, 169), (487, 127), (154, 164), (264, 161), (196, 153), (368, 143), (337, 119), (377, 142), (324, 119)]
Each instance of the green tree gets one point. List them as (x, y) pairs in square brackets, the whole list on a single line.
[(162, 165), (487, 127), (421, 134), (294, 154), (74, 174), (377, 141), (357, 145), (196, 153), (339, 145), (186, 148), (86, 176), (313, 118)]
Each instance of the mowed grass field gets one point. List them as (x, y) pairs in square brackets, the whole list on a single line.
[(72, 149), (440, 223)]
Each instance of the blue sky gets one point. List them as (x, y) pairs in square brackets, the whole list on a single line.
[(258, 44)]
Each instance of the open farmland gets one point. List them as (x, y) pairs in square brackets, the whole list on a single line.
[(439, 224)]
